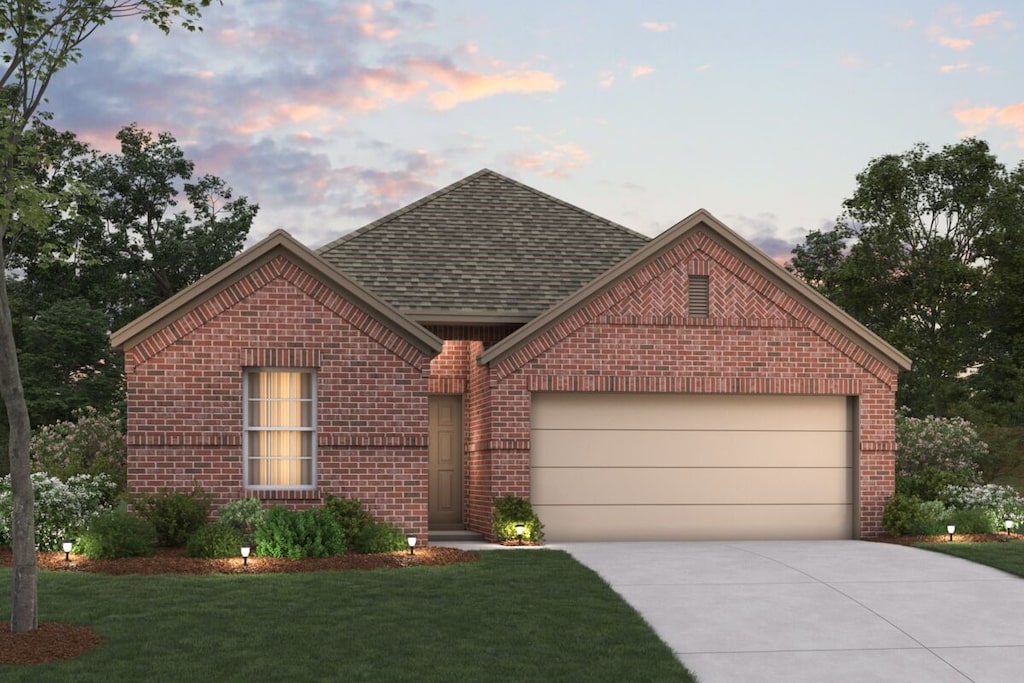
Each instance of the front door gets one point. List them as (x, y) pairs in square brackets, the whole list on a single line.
[(445, 462)]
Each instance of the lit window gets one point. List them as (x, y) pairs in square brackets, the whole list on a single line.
[(280, 433)]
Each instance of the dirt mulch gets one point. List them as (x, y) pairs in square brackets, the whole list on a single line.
[(944, 538), (53, 641)]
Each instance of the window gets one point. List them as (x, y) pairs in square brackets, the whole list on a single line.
[(280, 434), (698, 296)]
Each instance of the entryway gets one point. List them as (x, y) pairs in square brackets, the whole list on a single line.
[(445, 433)]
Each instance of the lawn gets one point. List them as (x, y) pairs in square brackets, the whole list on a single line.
[(512, 616), (1006, 556)]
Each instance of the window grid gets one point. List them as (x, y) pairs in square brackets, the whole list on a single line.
[(279, 448)]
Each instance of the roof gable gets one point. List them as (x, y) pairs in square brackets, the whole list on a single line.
[(748, 255), (486, 248), (276, 244)]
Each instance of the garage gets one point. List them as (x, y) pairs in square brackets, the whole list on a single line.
[(615, 466)]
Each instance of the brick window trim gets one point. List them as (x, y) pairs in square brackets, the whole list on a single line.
[(280, 358)]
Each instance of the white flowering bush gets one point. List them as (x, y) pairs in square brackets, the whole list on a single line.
[(62, 508), (1004, 501), (936, 452), (93, 443)]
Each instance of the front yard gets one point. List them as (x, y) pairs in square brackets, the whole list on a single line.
[(512, 616)]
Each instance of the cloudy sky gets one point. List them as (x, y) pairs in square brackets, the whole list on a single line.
[(330, 114)]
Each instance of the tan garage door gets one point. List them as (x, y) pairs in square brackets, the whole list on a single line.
[(691, 467)]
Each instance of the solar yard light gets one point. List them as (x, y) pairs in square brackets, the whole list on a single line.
[(950, 529), (1009, 525), (245, 555), (411, 540), (67, 545), (520, 530)]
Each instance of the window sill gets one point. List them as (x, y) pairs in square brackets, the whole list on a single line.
[(284, 494)]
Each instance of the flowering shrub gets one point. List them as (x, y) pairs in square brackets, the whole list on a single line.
[(1004, 501), (62, 508), (93, 443), (936, 452)]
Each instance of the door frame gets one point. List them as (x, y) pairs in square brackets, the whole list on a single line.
[(452, 517)]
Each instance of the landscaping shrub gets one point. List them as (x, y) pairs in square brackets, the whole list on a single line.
[(512, 510), (1004, 501), (245, 514), (215, 540), (350, 515), (906, 514), (175, 515), (295, 535), (936, 452), (93, 443), (379, 537), (975, 521), (62, 508), (117, 533)]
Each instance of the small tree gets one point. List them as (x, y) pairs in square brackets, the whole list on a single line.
[(936, 452)]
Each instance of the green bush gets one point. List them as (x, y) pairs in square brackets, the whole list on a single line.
[(510, 511), (379, 537), (62, 508), (117, 533), (350, 515), (975, 521), (215, 540), (908, 515), (93, 444), (936, 452), (295, 535), (245, 514), (175, 515)]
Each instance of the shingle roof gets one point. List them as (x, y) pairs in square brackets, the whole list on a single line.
[(485, 245)]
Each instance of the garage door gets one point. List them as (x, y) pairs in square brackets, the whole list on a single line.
[(691, 467)]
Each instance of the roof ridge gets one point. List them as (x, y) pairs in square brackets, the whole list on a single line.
[(404, 210), (465, 181)]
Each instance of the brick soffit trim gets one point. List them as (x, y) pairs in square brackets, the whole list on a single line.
[(699, 231)]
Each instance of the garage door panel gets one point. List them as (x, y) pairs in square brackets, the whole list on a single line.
[(696, 522), (673, 486), (693, 411), (638, 448)]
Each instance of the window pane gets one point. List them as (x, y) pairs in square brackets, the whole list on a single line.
[(280, 442)]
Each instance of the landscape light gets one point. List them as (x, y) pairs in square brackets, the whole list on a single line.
[(520, 530), (67, 545), (950, 529), (1009, 525), (411, 540), (245, 555)]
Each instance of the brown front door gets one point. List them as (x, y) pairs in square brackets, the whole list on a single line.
[(445, 462)]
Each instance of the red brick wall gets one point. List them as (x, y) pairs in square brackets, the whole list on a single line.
[(635, 338), (185, 396)]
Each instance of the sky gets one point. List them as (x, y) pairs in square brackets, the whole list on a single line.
[(330, 114)]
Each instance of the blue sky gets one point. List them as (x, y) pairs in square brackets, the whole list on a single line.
[(330, 114)]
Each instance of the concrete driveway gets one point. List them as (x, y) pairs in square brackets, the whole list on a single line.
[(820, 610)]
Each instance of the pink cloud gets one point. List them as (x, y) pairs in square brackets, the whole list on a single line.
[(657, 27), (986, 19), (979, 119), (852, 61), (958, 44), (607, 79), (556, 162), (641, 70), (465, 86), (950, 68)]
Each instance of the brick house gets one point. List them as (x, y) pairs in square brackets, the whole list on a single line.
[(491, 339)]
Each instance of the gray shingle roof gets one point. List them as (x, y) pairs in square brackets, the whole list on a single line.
[(486, 244)]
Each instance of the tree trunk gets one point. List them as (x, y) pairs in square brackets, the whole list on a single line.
[(24, 607)]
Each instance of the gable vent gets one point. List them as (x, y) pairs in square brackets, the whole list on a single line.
[(698, 296)]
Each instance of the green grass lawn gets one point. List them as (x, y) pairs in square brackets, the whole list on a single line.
[(512, 616), (1006, 556)]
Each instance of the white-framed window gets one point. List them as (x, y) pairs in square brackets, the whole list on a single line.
[(279, 444)]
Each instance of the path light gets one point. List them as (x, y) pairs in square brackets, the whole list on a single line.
[(245, 555), (66, 547), (520, 530), (1009, 525), (411, 540), (950, 529)]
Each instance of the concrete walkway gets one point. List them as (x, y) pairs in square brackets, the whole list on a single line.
[(816, 611)]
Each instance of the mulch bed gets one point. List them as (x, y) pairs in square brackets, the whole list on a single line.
[(55, 641), (944, 538)]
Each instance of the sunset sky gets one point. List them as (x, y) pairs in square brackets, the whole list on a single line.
[(330, 114)]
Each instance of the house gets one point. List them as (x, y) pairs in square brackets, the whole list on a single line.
[(490, 339)]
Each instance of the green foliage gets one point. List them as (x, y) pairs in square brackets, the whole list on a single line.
[(215, 540), (934, 453), (62, 508), (350, 515), (298, 534), (909, 515), (975, 521), (92, 444), (245, 514), (175, 515), (510, 511), (117, 533), (1004, 502), (379, 537)]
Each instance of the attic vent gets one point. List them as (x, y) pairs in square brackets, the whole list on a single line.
[(698, 296)]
